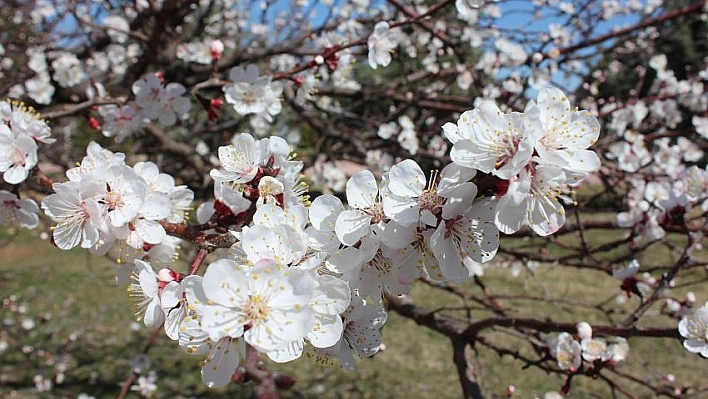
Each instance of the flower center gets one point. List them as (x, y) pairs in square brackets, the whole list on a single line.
[(256, 310), (506, 150), (376, 212), (380, 263), (430, 200), (564, 357), (114, 200), (249, 97)]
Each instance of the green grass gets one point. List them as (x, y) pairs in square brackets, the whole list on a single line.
[(84, 320)]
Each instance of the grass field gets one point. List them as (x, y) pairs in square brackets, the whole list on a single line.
[(64, 319)]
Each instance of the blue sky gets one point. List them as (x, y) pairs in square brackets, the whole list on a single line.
[(516, 14)]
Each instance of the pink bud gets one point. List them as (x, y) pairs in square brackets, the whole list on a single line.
[(165, 275), (510, 389), (94, 124), (216, 103), (214, 107), (216, 48), (283, 381), (565, 390)]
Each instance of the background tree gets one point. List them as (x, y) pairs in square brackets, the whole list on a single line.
[(152, 97)]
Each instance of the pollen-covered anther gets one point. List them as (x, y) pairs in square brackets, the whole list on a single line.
[(430, 200), (256, 310), (376, 211), (380, 263)]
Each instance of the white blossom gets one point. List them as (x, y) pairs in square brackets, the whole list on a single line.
[(381, 43), (694, 329)]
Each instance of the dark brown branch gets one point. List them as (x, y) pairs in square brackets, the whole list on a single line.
[(470, 388), (551, 326)]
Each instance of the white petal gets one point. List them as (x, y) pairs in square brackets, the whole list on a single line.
[(327, 331), (154, 315), (224, 284), (205, 212), (397, 236), (333, 296), (451, 132), (351, 226), (553, 105), (324, 210), (547, 216), (344, 261), (290, 352), (150, 231), (403, 210), (325, 241), (584, 129), (459, 198), (362, 190), (156, 206), (171, 295), (466, 153), (406, 179), (220, 364), (509, 217), (173, 320), (583, 161), (16, 174), (448, 256), (262, 338), (67, 235)]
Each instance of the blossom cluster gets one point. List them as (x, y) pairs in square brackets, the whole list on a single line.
[(271, 289), (287, 277), (694, 329), (154, 100), (538, 155), (106, 201), (661, 202), (310, 278), (251, 93), (16, 211), (21, 129), (570, 351), (312, 281), (663, 184)]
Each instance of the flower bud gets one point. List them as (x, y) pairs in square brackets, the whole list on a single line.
[(284, 381), (165, 275), (690, 297), (584, 330), (94, 124), (216, 48)]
